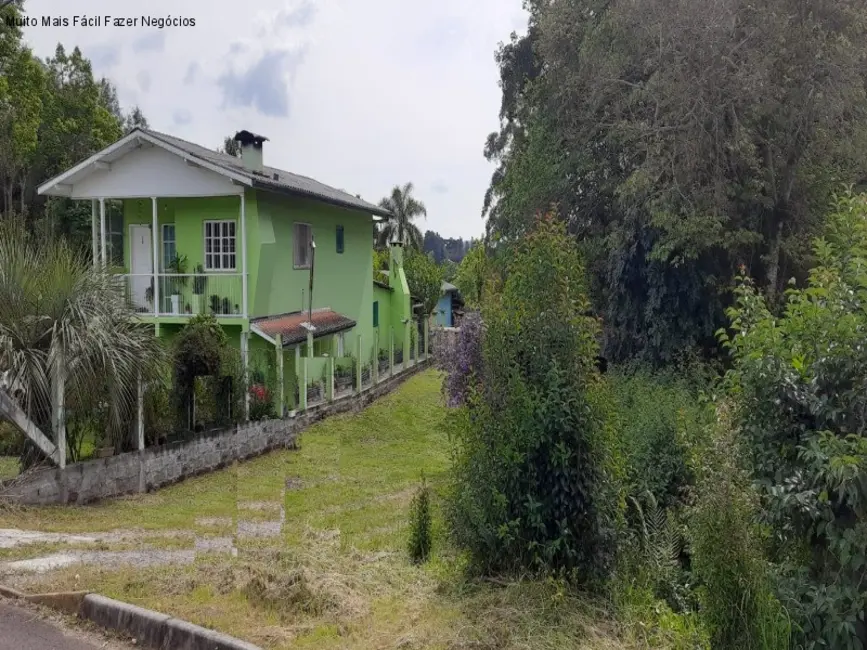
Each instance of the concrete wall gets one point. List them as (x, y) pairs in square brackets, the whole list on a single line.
[(150, 469)]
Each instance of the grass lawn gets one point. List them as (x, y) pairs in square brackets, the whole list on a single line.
[(8, 467), (337, 576)]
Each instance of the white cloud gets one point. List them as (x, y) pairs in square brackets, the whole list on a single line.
[(360, 95)]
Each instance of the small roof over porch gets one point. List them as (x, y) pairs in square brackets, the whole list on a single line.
[(293, 329)]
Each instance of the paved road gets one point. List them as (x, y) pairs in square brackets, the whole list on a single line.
[(23, 629)]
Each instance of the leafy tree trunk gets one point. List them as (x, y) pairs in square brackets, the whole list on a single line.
[(774, 260)]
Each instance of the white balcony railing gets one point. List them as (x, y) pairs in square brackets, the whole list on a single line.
[(187, 294)]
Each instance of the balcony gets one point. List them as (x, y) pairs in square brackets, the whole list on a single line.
[(187, 294)]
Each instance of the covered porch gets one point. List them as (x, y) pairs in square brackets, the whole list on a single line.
[(172, 227)]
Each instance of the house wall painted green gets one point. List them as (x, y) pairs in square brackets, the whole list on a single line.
[(343, 281)]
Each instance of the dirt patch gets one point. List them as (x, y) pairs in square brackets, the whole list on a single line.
[(294, 483), (259, 528), (105, 559), (214, 522), (13, 537)]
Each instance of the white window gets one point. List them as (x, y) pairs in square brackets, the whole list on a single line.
[(220, 246), (303, 236), (340, 345), (169, 246)]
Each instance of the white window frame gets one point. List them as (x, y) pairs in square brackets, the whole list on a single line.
[(223, 255), (174, 241), (295, 240)]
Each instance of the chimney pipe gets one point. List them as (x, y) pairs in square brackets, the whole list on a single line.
[(251, 150)]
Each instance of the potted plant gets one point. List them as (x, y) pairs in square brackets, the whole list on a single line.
[(149, 295), (200, 281), (178, 268)]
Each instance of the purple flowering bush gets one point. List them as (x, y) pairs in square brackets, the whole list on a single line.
[(459, 356)]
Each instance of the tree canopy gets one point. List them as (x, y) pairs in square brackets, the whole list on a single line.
[(404, 208), (679, 140), (53, 114)]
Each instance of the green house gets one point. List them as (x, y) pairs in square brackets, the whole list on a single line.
[(189, 230)]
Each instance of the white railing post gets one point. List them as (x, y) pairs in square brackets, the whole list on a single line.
[(93, 236), (278, 345), (360, 381), (244, 305), (155, 246), (245, 362), (375, 368), (102, 231), (140, 419), (391, 353), (58, 410)]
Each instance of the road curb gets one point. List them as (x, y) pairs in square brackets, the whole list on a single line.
[(149, 628)]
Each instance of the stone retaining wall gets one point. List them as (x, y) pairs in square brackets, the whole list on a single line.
[(156, 467)]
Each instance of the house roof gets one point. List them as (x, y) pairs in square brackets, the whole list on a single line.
[(291, 327), (383, 285), (269, 179), (447, 287)]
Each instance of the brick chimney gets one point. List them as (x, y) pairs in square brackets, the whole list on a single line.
[(251, 149)]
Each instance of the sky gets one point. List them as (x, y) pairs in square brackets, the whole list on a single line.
[(358, 94)]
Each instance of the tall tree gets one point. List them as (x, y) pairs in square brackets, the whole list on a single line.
[(679, 140), (404, 208), (231, 146), (135, 119)]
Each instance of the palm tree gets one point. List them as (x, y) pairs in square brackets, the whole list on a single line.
[(404, 208), (62, 316)]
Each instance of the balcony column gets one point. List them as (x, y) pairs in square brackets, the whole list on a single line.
[(93, 235), (155, 246), (244, 305), (102, 231)]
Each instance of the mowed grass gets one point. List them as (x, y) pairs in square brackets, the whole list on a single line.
[(338, 576)]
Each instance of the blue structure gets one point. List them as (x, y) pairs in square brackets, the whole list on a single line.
[(444, 312)]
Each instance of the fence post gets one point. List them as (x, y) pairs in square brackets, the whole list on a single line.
[(297, 369), (245, 362), (359, 382), (375, 369), (329, 379), (302, 389), (391, 353), (426, 338), (58, 409), (140, 419), (407, 341), (417, 342), (281, 390)]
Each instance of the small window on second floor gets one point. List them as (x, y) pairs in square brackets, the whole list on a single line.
[(220, 246), (339, 239), (376, 314), (303, 234)]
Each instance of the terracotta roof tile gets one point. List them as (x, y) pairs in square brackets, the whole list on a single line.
[(289, 326)]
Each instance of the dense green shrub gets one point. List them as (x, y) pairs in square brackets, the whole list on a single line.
[(657, 415), (738, 605), (420, 524), (799, 385), (533, 486), (11, 439)]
